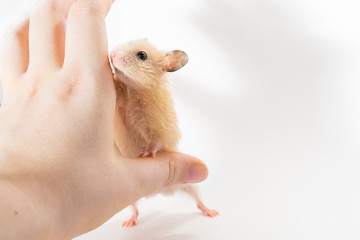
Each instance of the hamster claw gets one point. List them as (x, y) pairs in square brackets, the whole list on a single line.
[(151, 152), (144, 155), (147, 154), (210, 213), (206, 211), (130, 223)]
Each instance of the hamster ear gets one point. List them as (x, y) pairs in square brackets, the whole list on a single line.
[(175, 60)]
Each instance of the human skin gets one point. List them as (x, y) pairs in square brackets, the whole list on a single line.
[(61, 174)]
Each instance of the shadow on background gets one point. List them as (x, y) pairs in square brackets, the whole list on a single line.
[(281, 66), (154, 226), (268, 135)]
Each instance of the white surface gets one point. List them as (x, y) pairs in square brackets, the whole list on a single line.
[(270, 101)]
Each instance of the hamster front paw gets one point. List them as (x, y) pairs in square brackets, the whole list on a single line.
[(151, 152)]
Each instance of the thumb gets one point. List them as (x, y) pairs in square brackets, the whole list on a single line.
[(168, 168)]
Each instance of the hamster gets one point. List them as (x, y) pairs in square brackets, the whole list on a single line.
[(146, 107)]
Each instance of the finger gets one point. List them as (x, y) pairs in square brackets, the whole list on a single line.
[(167, 169), (14, 52), (14, 58), (86, 39), (47, 33)]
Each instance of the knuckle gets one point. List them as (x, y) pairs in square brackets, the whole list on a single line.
[(45, 7), (173, 173), (50, 5), (67, 88), (85, 8)]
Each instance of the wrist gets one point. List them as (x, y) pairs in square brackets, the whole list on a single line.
[(25, 202), (20, 210)]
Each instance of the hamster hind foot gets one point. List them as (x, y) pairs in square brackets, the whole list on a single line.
[(206, 211), (192, 190), (133, 219)]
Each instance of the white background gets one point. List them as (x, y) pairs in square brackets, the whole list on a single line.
[(270, 101)]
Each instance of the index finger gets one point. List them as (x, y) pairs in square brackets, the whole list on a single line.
[(86, 39)]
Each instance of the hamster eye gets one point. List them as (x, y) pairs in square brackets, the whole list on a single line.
[(142, 55)]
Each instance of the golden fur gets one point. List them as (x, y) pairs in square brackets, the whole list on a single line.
[(145, 100)]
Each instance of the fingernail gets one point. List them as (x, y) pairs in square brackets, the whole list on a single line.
[(196, 173)]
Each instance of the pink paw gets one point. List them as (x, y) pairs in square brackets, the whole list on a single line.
[(146, 154), (210, 212), (206, 211), (130, 223), (149, 153)]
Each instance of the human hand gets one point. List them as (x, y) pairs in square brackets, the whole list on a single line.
[(60, 172)]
